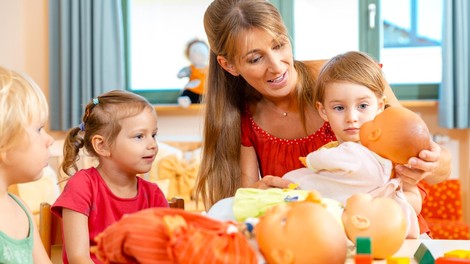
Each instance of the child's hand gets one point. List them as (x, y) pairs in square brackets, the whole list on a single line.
[(303, 160)]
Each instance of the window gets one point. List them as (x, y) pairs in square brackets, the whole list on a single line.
[(405, 35), (324, 29), (411, 51), (158, 33)]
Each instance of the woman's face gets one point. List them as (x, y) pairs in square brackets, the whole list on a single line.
[(265, 62)]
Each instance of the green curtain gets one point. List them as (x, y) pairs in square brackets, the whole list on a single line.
[(86, 56), (454, 97)]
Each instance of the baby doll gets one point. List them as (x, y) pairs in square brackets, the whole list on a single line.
[(394, 135), (381, 219), (197, 51), (300, 232), (286, 232)]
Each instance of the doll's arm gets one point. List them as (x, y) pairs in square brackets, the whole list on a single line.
[(185, 72), (344, 158), (413, 196)]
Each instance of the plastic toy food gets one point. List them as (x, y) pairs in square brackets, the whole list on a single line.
[(396, 134), (380, 219), (300, 232)]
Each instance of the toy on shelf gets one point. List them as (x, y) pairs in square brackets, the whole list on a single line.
[(197, 52)]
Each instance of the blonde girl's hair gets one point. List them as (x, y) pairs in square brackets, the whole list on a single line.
[(354, 67), (21, 103), (226, 22), (102, 117)]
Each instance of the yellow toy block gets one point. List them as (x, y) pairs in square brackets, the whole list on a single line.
[(398, 260), (458, 253)]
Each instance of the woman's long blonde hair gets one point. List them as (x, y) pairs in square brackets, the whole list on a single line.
[(225, 21)]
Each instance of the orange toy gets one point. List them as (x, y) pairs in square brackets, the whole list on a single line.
[(165, 235), (380, 219), (396, 134), (301, 232)]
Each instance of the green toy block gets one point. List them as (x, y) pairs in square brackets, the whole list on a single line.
[(363, 245), (423, 255)]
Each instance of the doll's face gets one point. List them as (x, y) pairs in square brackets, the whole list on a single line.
[(300, 232), (396, 134), (199, 54), (380, 218)]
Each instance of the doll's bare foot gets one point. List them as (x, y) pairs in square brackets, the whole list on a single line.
[(184, 101)]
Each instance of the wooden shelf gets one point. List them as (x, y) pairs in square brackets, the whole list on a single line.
[(419, 103)]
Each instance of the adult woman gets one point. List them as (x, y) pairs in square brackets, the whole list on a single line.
[(260, 115)]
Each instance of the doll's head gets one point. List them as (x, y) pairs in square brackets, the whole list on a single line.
[(197, 53), (396, 134), (380, 219), (300, 232)]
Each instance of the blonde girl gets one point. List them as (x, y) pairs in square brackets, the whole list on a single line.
[(118, 128), (23, 155)]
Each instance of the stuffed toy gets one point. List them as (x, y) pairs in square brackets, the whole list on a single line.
[(166, 235), (197, 52)]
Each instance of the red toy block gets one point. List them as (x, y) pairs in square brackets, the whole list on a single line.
[(363, 259), (442, 260)]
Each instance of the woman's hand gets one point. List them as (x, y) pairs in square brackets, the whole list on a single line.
[(433, 166), (272, 182)]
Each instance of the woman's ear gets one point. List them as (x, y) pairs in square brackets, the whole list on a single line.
[(322, 111), (100, 146), (226, 65)]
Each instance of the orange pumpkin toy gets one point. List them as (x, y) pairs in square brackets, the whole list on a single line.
[(396, 134), (301, 232)]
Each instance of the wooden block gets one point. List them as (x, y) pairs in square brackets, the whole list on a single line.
[(363, 245), (398, 260), (445, 260), (363, 259), (423, 255), (458, 253)]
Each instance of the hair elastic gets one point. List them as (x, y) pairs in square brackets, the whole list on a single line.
[(82, 126), (95, 101)]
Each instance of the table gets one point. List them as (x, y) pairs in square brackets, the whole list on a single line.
[(437, 248)]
